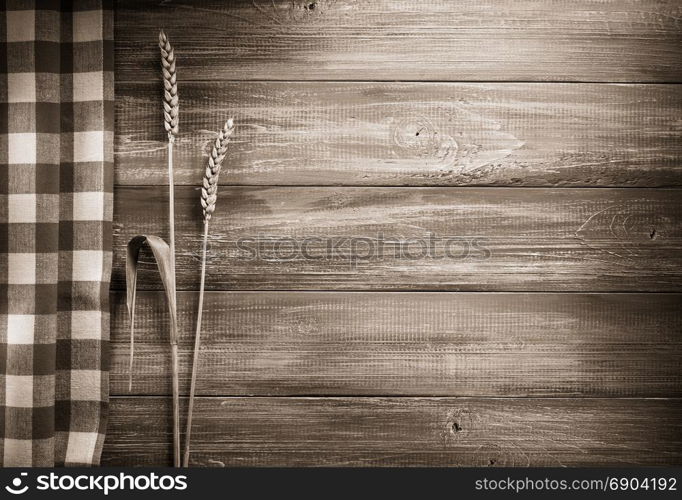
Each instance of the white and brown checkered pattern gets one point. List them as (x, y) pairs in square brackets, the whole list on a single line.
[(56, 176)]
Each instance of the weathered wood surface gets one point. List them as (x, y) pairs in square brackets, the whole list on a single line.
[(409, 134), (530, 40), (378, 356), (469, 239), (402, 431), (437, 344)]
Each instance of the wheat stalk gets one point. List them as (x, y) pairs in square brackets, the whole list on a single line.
[(170, 115), (170, 87), (209, 195), (209, 190)]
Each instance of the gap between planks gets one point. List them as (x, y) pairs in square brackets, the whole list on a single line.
[(418, 82), (452, 292), (672, 187), (393, 396)]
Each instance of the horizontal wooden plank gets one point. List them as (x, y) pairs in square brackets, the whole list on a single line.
[(468, 239), (402, 431), (409, 134), (577, 40), (374, 343)]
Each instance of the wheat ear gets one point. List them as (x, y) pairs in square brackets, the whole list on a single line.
[(209, 195), (170, 87), (170, 116)]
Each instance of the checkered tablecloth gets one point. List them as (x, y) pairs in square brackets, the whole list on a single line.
[(56, 199)]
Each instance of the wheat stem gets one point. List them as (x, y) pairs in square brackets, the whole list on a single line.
[(209, 194), (197, 346), (170, 114), (174, 333), (171, 199), (171, 204)]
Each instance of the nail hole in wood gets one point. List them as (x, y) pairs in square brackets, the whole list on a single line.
[(456, 427)]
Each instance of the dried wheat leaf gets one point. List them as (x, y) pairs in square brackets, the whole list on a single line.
[(162, 255)]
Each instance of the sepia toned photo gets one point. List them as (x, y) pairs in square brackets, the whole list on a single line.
[(340, 234)]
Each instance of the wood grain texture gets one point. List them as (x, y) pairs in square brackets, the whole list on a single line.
[(530, 40), (469, 239), (438, 344), (403, 431), (307, 133), (373, 96)]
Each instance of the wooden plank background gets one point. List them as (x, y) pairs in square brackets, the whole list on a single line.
[(450, 40), (433, 238), (540, 138), (403, 431), (407, 134), (445, 344)]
